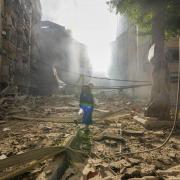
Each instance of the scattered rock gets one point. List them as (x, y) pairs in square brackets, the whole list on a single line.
[(111, 143), (42, 176), (132, 172), (133, 133), (105, 136), (20, 152), (3, 157), (46, 129), (2, 122), (6, 129), (37, 135), (148, 170), (68, 174), (174, 171), (165, 161), (128, 103), (159, 165), (37, 170), (159, 133), (88, 168), (172, 155), (120, 164), (134, 161), (145, 178), (122, 170)]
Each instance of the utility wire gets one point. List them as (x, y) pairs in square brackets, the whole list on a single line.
[(112, 87), (95, 77), (103, 78)]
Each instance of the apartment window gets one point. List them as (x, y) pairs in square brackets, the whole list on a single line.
[(172, 55), (173, 77)]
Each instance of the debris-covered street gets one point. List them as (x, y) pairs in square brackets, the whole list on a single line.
[(29, 123), (89, 90)]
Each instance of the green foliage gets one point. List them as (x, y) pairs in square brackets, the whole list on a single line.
[(83, 140), (141, 12), (172, 15)]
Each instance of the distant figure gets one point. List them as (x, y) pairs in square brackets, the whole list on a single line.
[(87, 104)]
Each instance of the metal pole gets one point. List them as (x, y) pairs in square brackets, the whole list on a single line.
[(137, 51)]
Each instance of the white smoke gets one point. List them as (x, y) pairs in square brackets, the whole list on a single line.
[(90, 23)]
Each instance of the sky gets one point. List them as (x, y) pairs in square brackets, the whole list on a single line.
[(90, 22)]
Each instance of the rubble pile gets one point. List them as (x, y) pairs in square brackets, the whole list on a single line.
[(28, 123)]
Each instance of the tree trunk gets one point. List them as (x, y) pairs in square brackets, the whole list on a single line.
[(1, 9), (159, 105)]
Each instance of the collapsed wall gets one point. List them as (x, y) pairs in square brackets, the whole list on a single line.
[(31, 49), (59, 55), (43, 81)]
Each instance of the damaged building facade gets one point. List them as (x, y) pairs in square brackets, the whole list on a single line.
[(30, 50), (130, 58), (18, 17), (59, 59)]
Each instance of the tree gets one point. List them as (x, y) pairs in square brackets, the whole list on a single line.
[(160, 18)]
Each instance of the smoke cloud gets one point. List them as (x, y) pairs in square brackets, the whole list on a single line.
[(90, 22)]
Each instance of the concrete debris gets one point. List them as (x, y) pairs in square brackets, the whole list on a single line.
[(151, 123), (148, 170), (170, 172), (3, 157), (134, 161), (97, 169), (35, 122), (105, 136), (2, 122), (6, 129), (120, 164), (70, 172), (132, 172), (145, 178), (133, 133), (111, 143)]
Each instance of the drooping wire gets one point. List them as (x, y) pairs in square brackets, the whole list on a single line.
[(174, 122), (112, 87), (95, 77), (102, 78)]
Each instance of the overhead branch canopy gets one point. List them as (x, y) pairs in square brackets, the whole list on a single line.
[(141, 12)]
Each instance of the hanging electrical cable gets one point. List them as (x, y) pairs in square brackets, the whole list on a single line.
[(112, 87), (104, 78), (96, 77), (174, 122)]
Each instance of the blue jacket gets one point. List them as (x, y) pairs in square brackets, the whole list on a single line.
[(86, 99)]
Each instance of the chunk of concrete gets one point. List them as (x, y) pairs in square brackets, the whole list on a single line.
[(134, 161), (170, 172), (154, 123), (133, 133), (132, 172), (145, 178), (148, 170), (120, 164)]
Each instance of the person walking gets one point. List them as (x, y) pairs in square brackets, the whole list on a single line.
[(87, 104)]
